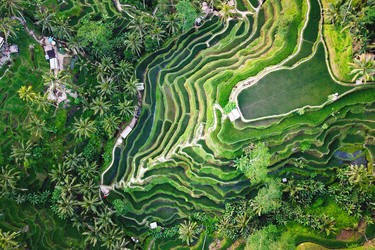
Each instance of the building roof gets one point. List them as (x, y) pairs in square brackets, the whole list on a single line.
[(234, 115), (126, 132), (51, 54), (53, 63), (153, 225), (1, 41)]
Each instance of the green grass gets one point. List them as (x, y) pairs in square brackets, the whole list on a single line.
[(285, 90)]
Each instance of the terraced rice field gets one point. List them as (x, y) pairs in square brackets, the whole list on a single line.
[(179, 157)]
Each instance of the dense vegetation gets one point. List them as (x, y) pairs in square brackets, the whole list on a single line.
[(298, 167)]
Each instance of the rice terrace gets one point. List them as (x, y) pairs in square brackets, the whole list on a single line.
[(184, 124)]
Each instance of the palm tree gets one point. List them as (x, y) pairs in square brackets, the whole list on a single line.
[(100, 106), (131, 86), (22, 152), (328, 224), (7, 240), (111, 237), (124, 70), (69, 185), (357, 175), (45, 19), (36, 127), (92, 235), (59, 172), (226, 12), (74, 44), (172, 23), (133, 42), (61, 28), (363, 67), (90, 203), (111, 124), (139, 25), (11, 7), (42, 103), (55, 81), (88, 187), (106, 86), (157, 33), (73, 160), (8, 27), (187, 231), (126, 108), (88, 170), (8, 178), (65, 206), (27, 94), (84, 127), (332, 14), (104, 219), (105, 67)]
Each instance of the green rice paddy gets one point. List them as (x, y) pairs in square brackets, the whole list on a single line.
[(179, 158)]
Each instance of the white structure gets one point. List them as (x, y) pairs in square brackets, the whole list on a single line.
[(123, 135), (140, 86), (1, 41), (13, 49), (285, 180), (234, 115), (53, 63), (153, 225)]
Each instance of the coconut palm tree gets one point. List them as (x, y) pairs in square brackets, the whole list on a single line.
[(8, 178), (88, 170), (104, 219), (111, 237), (21, 152), (73, 160), (357, 175), (327, 224), (36, 127), (90, 203), (187, 231), (8, 240), (88, 187), (363, 67), (65, 206), (92, 235), (69, 185), (131, 86), (157, 33), (172, 23), (45, 19), (105, 67), (11, 7), (133, 42), (61, 28), (332, 13), (226, 12), (41, 103), (124, 70), (84, 127), (139, 25), (110, 124), (8, 27), (27, 94), (100, 106), (59, 172), (125, 108), (106, 86)]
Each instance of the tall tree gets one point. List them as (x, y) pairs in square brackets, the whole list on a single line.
[(363, 67), (268, 199), (8, 240), (21, 152), (26, 93), (187, 13), (133, 42), (100, 106), (187, 231), (125, 108), (84, 127), (111, 124), (8, 27), (131, 86), (11, 7), (45, 19), (254, 163), (8, 178)]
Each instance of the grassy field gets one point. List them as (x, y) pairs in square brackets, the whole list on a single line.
[(285, 90)]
